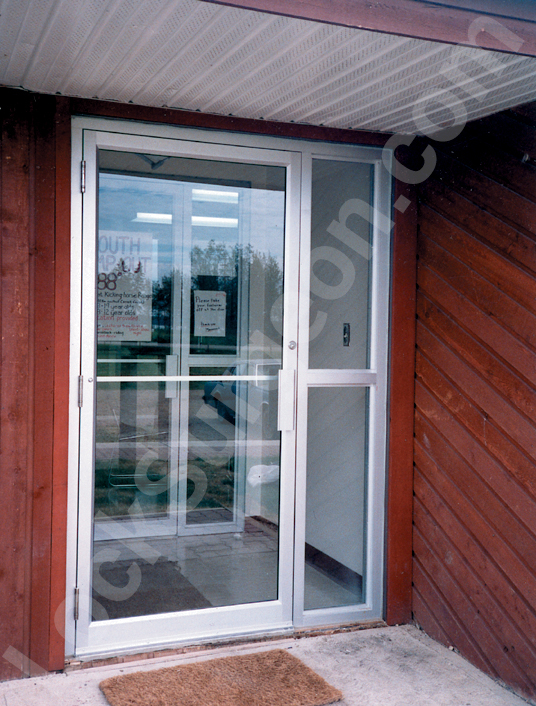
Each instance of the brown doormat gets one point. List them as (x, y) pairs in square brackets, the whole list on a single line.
[(273, 678)]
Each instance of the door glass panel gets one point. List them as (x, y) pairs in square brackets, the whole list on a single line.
[(335, 522), (187, 455), (341, 258)]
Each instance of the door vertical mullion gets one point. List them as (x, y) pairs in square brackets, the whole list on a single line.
[(289, 361), (87, 370), (378, 393), (301, 387), (181, 328), (75, 347)]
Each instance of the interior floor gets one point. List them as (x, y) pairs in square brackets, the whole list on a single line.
[(204, 570)]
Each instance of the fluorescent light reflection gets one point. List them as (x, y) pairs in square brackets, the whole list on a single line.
[(214, 196), (164, 219), (203, 195), (214, 222)]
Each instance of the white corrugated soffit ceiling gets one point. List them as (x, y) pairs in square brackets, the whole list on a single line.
[(200, 56)]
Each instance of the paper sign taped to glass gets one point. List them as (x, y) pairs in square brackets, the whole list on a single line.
[(210, 309), (124, 286)]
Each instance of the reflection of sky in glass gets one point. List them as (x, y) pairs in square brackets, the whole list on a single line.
[(260, 213)]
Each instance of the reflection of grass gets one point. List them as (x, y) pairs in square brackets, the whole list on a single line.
[(116, 502), (106, 434), (220, 482), (121, 472), (115, 489)]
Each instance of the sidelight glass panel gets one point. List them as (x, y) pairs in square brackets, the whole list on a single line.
[(335, 526), (187, 456), (341, 258)]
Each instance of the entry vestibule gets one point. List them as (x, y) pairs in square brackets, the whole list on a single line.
[(229, 373)]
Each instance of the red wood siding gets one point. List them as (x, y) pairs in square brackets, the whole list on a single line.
[(15, 386), (475, 393), (32, 319), (401, 376)]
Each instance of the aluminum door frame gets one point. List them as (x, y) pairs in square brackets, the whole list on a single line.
[(297, 238), (83, 637), (375, 378)]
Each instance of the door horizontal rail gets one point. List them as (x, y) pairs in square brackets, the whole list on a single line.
[(340, 378), (140, 361), (183, 378)]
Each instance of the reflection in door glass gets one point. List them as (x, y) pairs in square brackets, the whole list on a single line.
[(187, 455)]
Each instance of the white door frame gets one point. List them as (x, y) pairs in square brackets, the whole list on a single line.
[(374, 378), (138, 634)]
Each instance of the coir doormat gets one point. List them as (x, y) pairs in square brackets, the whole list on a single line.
[(273, 678)]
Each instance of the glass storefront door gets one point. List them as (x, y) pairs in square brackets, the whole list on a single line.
[(184, 268), (228, 437)]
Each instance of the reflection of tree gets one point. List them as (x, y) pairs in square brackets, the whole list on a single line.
[(134, 286), (222, 265), (162, 291), (217, 259)]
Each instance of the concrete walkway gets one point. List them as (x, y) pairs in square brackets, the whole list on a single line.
[(398, 666)]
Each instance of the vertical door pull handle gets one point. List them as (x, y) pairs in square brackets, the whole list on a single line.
[(286, 396)]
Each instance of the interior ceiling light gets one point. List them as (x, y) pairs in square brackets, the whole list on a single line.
[(164, 219), (215, 196)]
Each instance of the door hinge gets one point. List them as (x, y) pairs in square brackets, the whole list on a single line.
[(83, 176), (76, 602), (80, 390)]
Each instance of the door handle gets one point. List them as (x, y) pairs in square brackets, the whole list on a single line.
[(285, 400)]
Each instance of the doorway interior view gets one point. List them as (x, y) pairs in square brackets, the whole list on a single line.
[(230, 333)]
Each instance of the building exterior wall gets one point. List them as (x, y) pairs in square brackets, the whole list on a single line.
[(475, 439), (34, 357), (35, 188)]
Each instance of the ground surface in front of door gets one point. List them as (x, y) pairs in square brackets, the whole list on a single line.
[(395, 666)]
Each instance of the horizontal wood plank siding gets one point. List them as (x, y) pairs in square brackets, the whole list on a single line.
[(474, 570)]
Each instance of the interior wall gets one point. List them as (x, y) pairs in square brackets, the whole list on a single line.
[(475, 439), (336, 461), (336, 483)]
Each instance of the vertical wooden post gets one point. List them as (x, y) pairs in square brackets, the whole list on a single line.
[(401, 412), (15, 382)]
